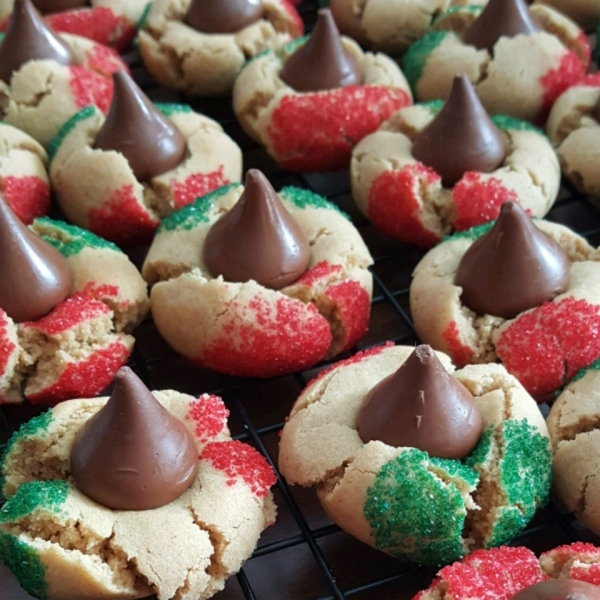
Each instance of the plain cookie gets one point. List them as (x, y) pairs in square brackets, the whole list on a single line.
[(406, 200), (400, 500), (245, 328), (76, 349), (61, 545), (565, 327)]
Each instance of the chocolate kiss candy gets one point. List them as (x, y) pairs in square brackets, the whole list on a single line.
[(559, 589), (257, 239), (143, 135), (500, 18), (29, 38), (322, 63), (512, 268), (223, 16), (461, 138), (133, 454), (421, 406), (53, 6), (34, 276)]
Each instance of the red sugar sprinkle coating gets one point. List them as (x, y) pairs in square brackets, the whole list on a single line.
[(104, 293), (319, 272), (355, 358), (317, 131), (70, 313), (105, 61), (123, 219), (354, 306), (478, 200), (461, 355), (210, 416), (28, 196), (85, 378), (293, 13), (238, 460), (90, 88), (394, 205), (262, 339), (584, 559), (99, 24), (546, 347), (495, 574), (7, 347), (196, 185), (569, 72)]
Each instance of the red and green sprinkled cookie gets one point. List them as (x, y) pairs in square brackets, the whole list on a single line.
[(316, 130), (203, 59), (247, 328), (402, 500), (545, 345), (71, 88), (107, 22), (61, 544), (23, 176), (500, 573), (76, 349), (99, 190), (573, 427), (410, 201), (517, 75)]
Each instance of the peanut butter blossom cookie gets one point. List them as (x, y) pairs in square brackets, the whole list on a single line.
[(519, 291), (45, 78), (390, 26), (129, 496), (199, 46), (310, 103), (574, 129), (119, 175), (566, 573), (519, 60), (23, 176), (67, 301), (108, 22), (432, 168), (416, 459), (573, 426), (251, 282)]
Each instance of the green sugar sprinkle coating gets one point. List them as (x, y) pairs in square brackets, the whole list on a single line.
[(70, 239), (197, 212), (292, 46), (525, 475), (36, 427), (171, 108), (470, 234), (415, 507), (142, 22), (64, 131), (416, 515), (417, 55), (50, 495), (25, 563), (471, 9), (303, 199), (595, 366)]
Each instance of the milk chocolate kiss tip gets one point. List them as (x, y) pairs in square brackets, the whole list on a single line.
[(461, 138), (500, 18), (258, 239), (28, 38), (559, 589), (35, 276), (323, 62), (133, 454), (421, 406), (512, 268), (139, 131), (223, 16)]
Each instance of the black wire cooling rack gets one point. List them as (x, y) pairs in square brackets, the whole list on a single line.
[(305, 556)]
